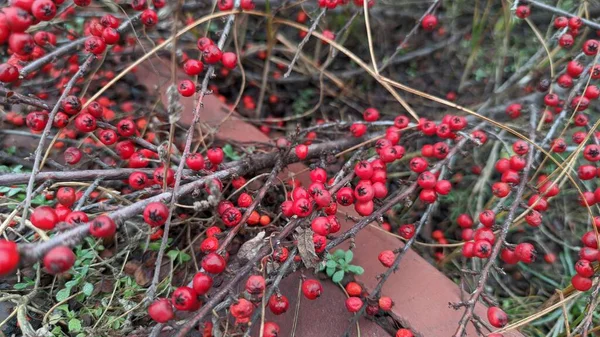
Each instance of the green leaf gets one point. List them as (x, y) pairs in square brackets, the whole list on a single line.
[(338, 276), (13, 191), (230, 152), (339, 254), (331, 264), (321, 266), (74, 325), (330, 271), (183, 257), (172, 254), (358, 270), (72, 283), (63, 294), (87, 289), (349, 256), (20, 286)]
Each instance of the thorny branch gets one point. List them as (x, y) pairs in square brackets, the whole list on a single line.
[(500, 240)]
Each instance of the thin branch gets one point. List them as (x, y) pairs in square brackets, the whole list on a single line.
[(561, 12), (68, 48), (491, 262), (188, 143), (304, 41), (40, 148), (410, 34)]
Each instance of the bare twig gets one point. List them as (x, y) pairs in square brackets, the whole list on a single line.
[(410, 34), (188, 143), (40, 148), (304, 41), (491, 262)]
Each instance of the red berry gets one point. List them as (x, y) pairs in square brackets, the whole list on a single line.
[(229, 60), (482, 249), (428, 196), (212, 54), (95, 45), (525, 252), (358, 130), (202, 283), (43, 10), (514, 110), (8, 73), (509, 256), (312, 289), (487, 218), (566, 40), (387, 258), (149, 18), (161, 310), (418, 164), (353, 289), (225, 5), (404, 333), (185, 299), (66, 196), (584, 268), (195, 161), (371, 115), (103, 227), (278, 304), (255, 285), (561, 22), (85, 122), (215, 155), (581, 283), (590, 47), (497, 317), (523, 12), (76, 218), (500, 189), (364, 208), (186, 88), (429, 22), (156, 214), (353, 304), (213, 263), (301, 151), (193, 67), (464, 221), (271, 329), (9, 256), (443, 187), (44, 217), (59, 259), (468, 249), (385, 303), (242, 309)]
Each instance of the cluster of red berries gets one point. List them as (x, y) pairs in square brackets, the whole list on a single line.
[(15, 20), (479, 242), (227, 5), (354, 302), (211, 54), (60, 258), (332, 4), (588, 254)]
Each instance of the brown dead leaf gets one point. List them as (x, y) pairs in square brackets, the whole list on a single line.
[(306, 247)]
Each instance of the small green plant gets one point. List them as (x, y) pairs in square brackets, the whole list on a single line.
[(337, 264)]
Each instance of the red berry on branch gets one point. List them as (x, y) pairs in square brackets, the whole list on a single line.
[(58, 260), (9, 256), (161, 310), (311, 289)]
